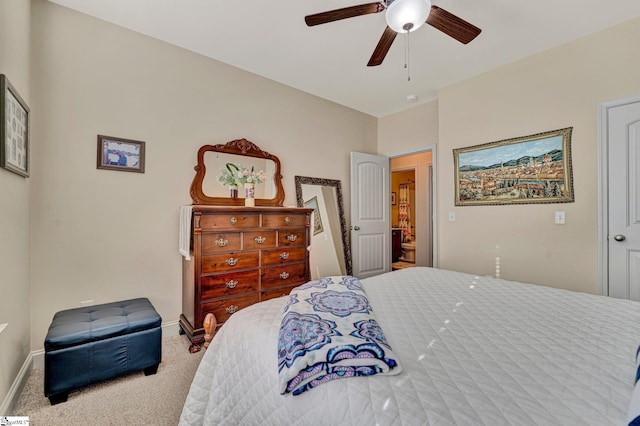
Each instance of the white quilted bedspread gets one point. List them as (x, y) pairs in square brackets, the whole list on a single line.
[(474, 351)]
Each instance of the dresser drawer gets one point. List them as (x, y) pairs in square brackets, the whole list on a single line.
[(226, 221), (212, 243), (277, 276), (282, 220), (223, 309), (293, 237), (229, 261), (223, 285), (260, 239), (283, 255), (278, 292)]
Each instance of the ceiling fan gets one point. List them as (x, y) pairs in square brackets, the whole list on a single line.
[(402, 16)]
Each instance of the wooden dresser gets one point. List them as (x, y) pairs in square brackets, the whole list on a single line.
[(240, 256)]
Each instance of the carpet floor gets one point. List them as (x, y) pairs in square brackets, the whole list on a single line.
[(134, 399)]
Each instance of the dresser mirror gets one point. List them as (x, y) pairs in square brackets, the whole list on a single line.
[(330, 253), (214, 160)]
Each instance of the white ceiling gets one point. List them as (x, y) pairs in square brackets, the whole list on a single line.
[(270, 38)]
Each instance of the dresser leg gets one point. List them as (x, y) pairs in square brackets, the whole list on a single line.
[(192, 335)]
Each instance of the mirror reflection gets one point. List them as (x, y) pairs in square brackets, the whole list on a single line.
[(330, 254), (242, 154), (216, 163)]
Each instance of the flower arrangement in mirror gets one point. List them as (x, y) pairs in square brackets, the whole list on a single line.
[(228, 178), (234, 175)]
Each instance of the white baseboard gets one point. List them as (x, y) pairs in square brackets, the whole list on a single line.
[(6, 409), (35, 360), (171, 328)]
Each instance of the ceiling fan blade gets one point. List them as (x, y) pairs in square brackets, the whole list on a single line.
[(451, 25), (383, 47), (344, 13)]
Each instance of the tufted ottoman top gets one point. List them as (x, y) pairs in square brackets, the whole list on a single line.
[(82, 325)]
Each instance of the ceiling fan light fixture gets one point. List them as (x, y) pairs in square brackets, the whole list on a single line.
[(407, 15)]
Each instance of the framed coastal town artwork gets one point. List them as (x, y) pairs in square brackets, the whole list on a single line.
[(14, 129), (120, 154), (522, 170)]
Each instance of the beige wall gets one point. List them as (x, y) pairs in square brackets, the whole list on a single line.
[(106, 235), (408, 131), (555, 89), (14, 207)]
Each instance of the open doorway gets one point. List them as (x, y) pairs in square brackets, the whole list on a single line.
[(412, 210)]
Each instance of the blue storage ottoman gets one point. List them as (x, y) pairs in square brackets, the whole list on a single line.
[(95, 343)]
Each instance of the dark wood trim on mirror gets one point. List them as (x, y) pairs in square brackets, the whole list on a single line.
[(238, 147), (305, 180)]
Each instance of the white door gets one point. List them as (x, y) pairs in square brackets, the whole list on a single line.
[(370, 214), (623, 135)]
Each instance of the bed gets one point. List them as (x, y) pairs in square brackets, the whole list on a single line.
[(474, 351)]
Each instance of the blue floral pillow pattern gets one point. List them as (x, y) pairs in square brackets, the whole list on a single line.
[(328, 332), (634, 405)]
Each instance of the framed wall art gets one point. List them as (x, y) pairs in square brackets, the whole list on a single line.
[(125, 155), (14, 129), (317, 220), (522, 170)]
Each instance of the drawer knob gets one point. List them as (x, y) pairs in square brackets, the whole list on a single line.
[(222, 242), (231, 284), (259, 240), (233, 220), (232, 261), (231, 309), (284, 275), (284, 255), (292, 237), (287, 220)]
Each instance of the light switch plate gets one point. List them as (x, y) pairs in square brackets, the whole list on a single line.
[(560, 218)]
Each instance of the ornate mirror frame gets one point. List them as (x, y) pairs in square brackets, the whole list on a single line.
[(238, 147), (305, 180)]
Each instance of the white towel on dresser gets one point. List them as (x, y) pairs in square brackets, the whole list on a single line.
[(185, 231)]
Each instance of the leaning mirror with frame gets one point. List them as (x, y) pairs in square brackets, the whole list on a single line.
[(330, 253)]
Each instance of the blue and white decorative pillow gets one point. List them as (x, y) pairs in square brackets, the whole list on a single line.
[(328, 332), (634, 405)]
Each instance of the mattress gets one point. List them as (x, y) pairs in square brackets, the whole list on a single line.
[(474, 351)]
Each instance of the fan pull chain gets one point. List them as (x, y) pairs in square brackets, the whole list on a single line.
[(406, 55)]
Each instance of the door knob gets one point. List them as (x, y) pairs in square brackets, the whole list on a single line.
[(356, 228), (619, 237)]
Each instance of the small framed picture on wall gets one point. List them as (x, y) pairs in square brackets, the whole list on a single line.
[(125, 155)]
